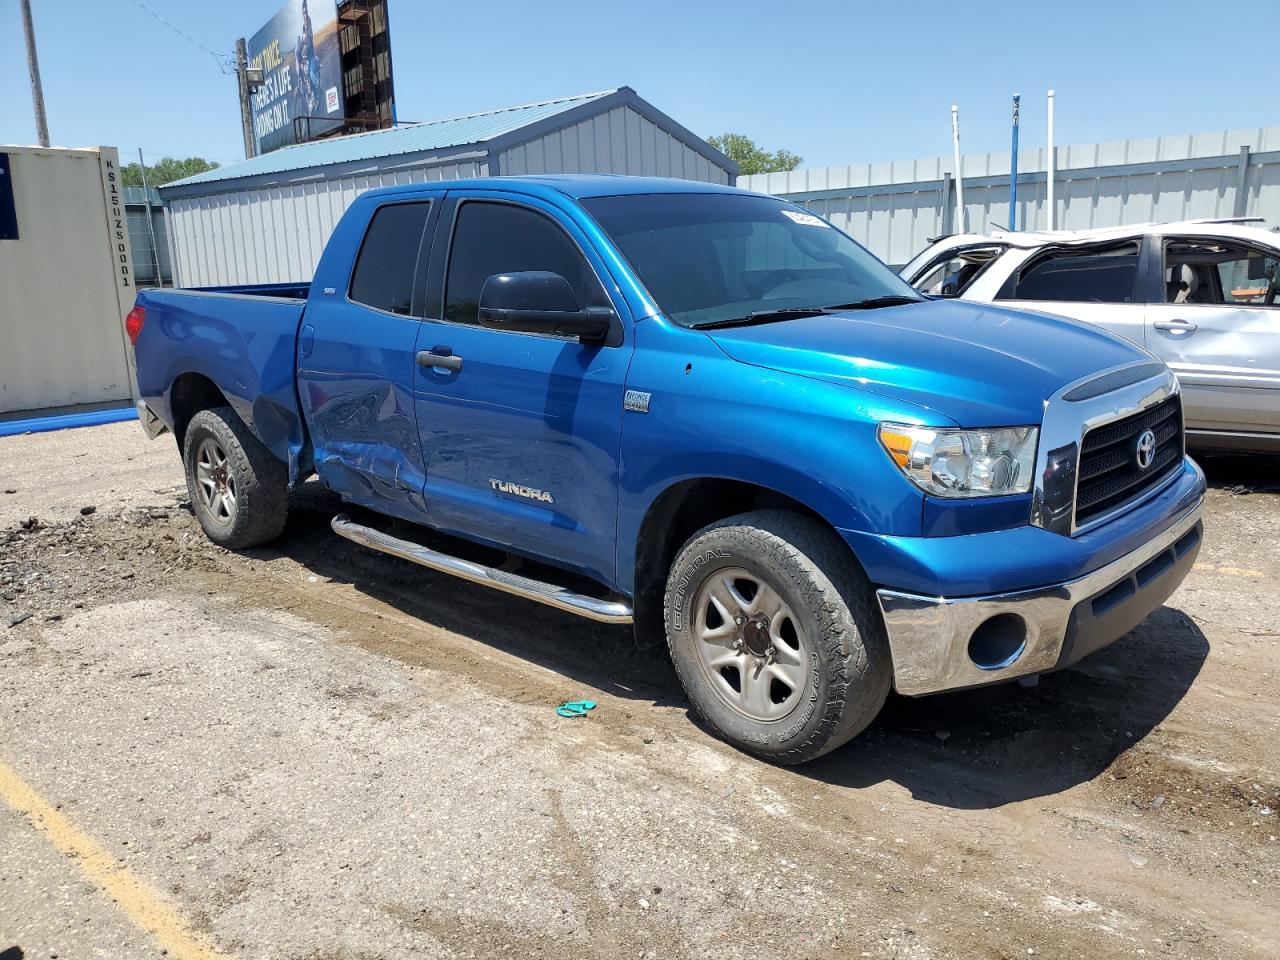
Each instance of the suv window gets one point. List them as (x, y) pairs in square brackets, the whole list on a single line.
[(1212, 272), (491, 238), (388, 263), (1091, 275), (951, 276)]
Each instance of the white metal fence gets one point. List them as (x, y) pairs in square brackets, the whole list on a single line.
[(893, 208)]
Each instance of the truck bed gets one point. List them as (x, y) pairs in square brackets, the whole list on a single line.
[(240, 340), (283, 291)]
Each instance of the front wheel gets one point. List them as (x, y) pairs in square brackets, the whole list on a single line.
[(239, 490), (774, 633)]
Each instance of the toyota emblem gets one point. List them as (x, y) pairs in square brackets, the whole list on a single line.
[(1145, 450)]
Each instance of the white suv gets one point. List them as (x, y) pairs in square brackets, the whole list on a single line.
[(1201, 295)]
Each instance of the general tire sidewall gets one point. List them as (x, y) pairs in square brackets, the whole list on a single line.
[(767, 738)]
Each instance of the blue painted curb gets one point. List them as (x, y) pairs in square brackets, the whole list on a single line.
[(67, 421)]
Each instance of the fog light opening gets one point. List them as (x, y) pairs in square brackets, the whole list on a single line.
[(998, 641)]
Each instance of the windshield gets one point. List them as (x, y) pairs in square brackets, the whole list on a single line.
[(708, 258)]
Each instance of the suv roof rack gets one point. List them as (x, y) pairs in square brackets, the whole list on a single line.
[(1227, 220)]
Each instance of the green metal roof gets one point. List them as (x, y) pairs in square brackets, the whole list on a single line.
[(410, 138)]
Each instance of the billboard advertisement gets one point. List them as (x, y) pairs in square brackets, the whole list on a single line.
[(297, 52)]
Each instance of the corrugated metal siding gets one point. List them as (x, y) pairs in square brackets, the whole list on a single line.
[(893, 208), (276, 235), (61, 316), (620, 140)]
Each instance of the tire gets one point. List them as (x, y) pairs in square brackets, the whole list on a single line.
[(810, 667), (221, 457)]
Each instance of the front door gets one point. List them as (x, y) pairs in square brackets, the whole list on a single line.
[(1099, 284), (520, 432), (1219, 330)]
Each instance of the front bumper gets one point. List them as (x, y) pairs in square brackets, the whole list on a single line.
[(939, 643)]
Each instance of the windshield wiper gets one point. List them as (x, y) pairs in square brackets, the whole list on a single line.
[(792, 313), (895, 300), (764, 316)]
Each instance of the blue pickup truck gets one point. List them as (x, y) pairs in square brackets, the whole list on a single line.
[(702, 411)]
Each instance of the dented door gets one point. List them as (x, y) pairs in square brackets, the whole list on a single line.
[(356, 366)]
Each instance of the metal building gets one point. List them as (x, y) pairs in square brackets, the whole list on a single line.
[(266, 220)]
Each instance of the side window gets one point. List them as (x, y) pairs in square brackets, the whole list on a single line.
[(491, 238), (388, 263), (952, 276), (1206, 271), (1079, 276)]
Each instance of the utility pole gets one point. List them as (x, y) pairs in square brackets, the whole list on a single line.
[(151, 224), (246, 115), (33, 67), (961, 224), (1013, 166), (1049, 200)]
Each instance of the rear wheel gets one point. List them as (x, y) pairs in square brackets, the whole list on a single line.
[(774, 633), (239, 490)]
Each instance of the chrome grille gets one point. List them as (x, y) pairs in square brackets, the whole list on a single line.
[(1108, 473)]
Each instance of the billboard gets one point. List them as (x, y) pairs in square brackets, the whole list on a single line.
[(301, 65)]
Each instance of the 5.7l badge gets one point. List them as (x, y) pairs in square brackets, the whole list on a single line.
[(529, 493)]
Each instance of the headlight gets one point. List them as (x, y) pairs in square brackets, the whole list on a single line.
[(963, 463)]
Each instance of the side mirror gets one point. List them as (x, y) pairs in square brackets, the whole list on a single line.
[(538, 301)]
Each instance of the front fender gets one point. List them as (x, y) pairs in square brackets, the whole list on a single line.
[(711, 417)]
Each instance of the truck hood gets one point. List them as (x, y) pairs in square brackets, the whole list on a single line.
[(975, 364)]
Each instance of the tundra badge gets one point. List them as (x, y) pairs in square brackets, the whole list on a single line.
[(529, 493)]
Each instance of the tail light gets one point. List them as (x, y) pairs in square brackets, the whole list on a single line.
[(133, 323)]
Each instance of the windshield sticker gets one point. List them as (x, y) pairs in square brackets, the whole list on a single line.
[(804, 219)]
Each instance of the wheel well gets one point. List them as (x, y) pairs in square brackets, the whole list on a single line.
[(677, 515), (191, 393)]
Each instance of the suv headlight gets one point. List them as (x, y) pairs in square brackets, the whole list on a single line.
[(963, 463)]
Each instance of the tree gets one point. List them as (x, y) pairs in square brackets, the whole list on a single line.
[(752, 158), (165, 170)]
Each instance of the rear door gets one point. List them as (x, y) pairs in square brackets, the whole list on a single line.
[(356, 368), (1216, 329), (1097, 283), (520, 432)]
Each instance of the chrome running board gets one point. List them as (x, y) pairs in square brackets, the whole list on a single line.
[(601, 610)]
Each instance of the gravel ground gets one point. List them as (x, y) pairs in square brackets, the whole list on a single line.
[(313, 751)]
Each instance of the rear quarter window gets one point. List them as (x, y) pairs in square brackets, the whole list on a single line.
[(387, 266)]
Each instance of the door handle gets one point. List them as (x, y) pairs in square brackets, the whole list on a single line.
[(1177, 326), (436, 357)]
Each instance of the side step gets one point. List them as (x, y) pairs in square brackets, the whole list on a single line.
[(604, 611)]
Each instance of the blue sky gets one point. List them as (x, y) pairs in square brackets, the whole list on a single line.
[(836, 82)]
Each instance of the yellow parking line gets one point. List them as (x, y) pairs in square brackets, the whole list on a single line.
[(143, 905), (1231, 571)]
